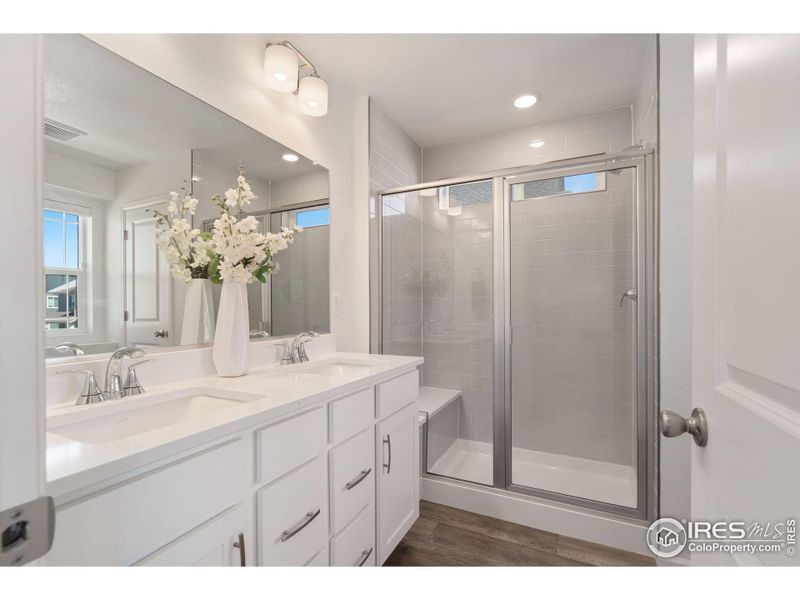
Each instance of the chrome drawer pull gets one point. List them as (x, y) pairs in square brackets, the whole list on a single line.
[(289, 533), (364, 556), (388, 466), (239, 543), (361, 476)]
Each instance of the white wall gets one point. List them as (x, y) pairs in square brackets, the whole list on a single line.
[(302, 188), (74, 175), (228, 74), (603, 132), (217, 179), (676, 180), (22, 415)]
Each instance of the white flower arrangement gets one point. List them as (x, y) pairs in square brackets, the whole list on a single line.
[(240, 253), (187, 251)]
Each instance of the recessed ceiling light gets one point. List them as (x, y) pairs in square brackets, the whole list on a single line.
[(525, 101), (536, 144), (289, 157)]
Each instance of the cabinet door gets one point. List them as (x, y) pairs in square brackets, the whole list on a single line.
[(210, 545), (398, 478)]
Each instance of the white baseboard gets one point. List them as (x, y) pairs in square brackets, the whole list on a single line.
[(538, 513)]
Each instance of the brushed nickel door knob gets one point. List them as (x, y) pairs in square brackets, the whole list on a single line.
[(673, 425)]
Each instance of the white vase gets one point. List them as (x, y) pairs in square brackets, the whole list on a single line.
[(198, 313), (232, 337)]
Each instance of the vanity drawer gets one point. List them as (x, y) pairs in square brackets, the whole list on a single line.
[(350, 414), (293, 517), (397, 393), (355, 546), (132, 520), (288, 444), (352, 478)]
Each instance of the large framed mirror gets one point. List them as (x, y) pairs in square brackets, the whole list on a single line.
[(118, 140)]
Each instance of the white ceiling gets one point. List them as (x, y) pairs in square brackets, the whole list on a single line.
[(448, 88), (131, 116)]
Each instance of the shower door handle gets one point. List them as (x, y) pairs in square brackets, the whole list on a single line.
[(630, 294)]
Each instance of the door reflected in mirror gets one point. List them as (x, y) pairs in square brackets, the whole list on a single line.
[(118, 141)]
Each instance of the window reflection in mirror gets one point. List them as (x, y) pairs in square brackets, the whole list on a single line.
[(118, 140)]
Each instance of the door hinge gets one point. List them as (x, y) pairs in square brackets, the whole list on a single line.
[(124, 315), (124, 235)]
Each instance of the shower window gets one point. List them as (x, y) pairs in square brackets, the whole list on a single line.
[(559, 186)]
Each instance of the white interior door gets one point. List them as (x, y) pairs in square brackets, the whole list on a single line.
[(22, 468), (747, 285), (148, 283)]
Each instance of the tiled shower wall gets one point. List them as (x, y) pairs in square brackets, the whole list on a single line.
[(300, 297), (438, 277), (573, 368), (395, 160), (457, 308)]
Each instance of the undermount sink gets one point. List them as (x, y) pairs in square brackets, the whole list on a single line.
[(338, 368), (109, 422)]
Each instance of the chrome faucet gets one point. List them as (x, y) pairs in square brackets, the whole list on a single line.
[(296, 351), (73, 349), (114, 388)]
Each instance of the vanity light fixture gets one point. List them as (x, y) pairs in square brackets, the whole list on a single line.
[(283, 64), (289, 157), (536, 144), (526, 101)]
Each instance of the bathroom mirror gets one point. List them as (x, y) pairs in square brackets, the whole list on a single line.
[(118, 140)]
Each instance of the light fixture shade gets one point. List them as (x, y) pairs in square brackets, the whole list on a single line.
[(313, 96), (280, 68)]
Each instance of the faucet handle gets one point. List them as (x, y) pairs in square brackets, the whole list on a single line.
[(91, 392), (70, 347), (287, 358), (132, 386), (304, 337)]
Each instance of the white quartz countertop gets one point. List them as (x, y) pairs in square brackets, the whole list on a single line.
[(270, 392)]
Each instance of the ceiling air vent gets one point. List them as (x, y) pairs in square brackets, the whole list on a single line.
[(62, 132)]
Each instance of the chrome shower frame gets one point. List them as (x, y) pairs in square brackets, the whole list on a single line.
[(646, 241)]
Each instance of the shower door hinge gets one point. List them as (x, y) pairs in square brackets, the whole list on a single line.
[(124, 235), (124, 315)]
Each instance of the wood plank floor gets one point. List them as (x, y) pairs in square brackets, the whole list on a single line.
[(445, 536)]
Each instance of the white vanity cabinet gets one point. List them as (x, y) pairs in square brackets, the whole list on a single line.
[(398, 478), (218, 543), (334, 483)]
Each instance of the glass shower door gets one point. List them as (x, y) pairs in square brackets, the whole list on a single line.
[(437, 302), (572, 263)]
